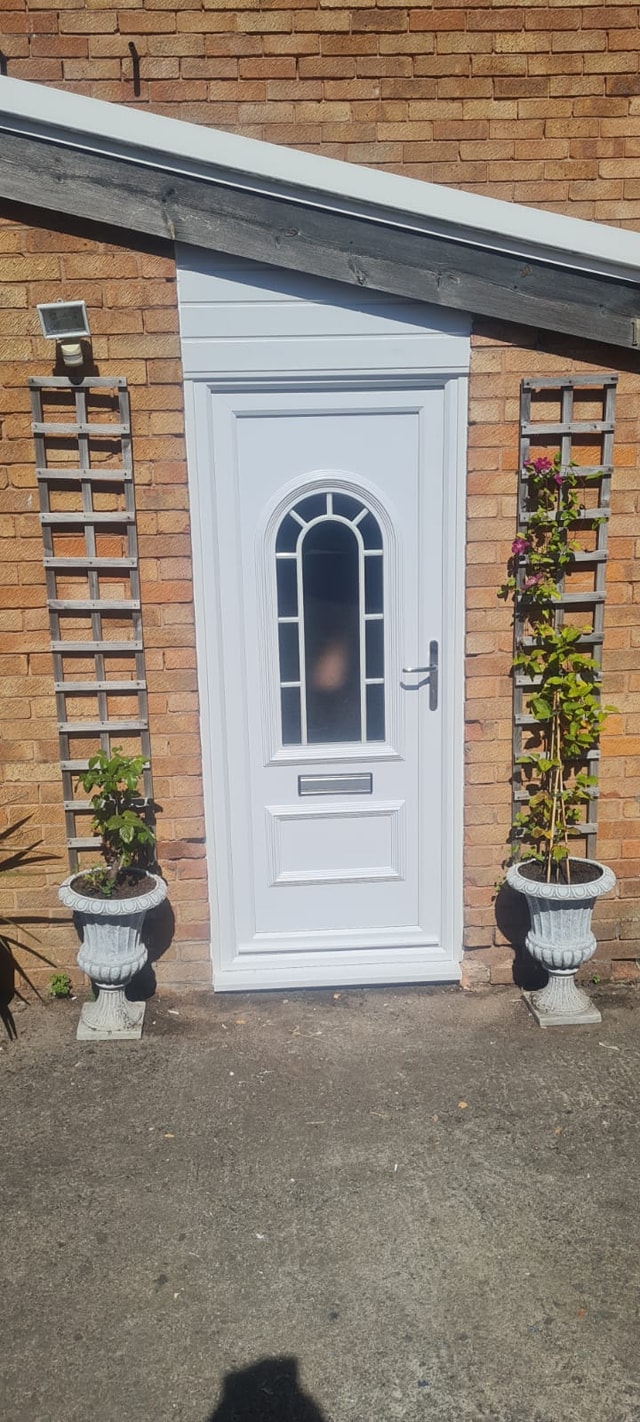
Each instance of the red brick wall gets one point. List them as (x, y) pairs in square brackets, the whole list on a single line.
[(132, 308), (131, 301), (535, 103)]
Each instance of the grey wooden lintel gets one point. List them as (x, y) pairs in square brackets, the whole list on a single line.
[(286, 231)]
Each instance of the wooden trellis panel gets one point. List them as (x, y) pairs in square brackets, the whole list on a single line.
[(87, 513), (570, 436)]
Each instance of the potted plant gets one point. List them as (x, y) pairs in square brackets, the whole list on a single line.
[(112, 899), (563, 701)]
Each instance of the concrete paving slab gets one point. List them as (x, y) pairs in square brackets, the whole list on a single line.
[(360, 1207)]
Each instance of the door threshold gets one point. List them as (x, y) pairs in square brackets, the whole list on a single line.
[(262, 973)]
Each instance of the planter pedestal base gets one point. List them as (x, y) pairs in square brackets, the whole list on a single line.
[(111, 1018), (562, 1003)]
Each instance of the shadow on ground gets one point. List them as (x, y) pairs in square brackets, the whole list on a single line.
[(268, 1391)]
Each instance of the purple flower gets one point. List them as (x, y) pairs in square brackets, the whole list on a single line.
[(533, 581), (520, 545), (558, 478), (541, 465)]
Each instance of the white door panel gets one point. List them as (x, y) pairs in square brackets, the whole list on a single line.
[(323, 864)]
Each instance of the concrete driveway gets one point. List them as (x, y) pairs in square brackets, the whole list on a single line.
[(312, 1207)]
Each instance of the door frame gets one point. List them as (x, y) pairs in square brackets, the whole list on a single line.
[(243, 973)]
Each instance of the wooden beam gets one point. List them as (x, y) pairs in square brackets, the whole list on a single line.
[(289, 233)]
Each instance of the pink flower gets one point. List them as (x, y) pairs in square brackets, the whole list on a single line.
[(558, 478), (520, 545), (541, 465), (533, 581)]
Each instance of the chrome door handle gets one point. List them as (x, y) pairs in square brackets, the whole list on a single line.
[(430, 674)]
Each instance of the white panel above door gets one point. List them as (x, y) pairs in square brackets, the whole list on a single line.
[(239, 319)]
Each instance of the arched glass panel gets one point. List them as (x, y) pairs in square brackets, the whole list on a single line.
[(331, 601), (330, 588)]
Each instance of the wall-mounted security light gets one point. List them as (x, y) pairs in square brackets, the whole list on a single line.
[(67, 323)]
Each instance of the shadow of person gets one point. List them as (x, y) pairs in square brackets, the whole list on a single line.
[(268, 1391)]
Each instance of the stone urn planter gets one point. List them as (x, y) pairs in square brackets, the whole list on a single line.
[(558, 720), (112, 899), (111, 953), (560, 937)]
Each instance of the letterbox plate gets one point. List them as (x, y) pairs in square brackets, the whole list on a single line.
[(357, 783)]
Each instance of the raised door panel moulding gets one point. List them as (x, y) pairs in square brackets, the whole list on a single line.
[(357, 843)]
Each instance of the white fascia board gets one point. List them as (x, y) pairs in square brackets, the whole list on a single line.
[(172, 146)]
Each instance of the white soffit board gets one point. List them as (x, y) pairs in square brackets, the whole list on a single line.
[(140, 136)]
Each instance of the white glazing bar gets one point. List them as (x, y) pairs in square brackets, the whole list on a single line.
[(301, 642), (363, 644), (363, 616)]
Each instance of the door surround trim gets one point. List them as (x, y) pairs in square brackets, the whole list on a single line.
[(418, 962)]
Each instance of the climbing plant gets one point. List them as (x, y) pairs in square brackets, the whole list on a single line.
[(118, 816), (564, 680)]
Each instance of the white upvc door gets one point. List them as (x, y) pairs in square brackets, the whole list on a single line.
[(327, 527)]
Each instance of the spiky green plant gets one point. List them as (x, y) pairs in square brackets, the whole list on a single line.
[(15, 929)]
